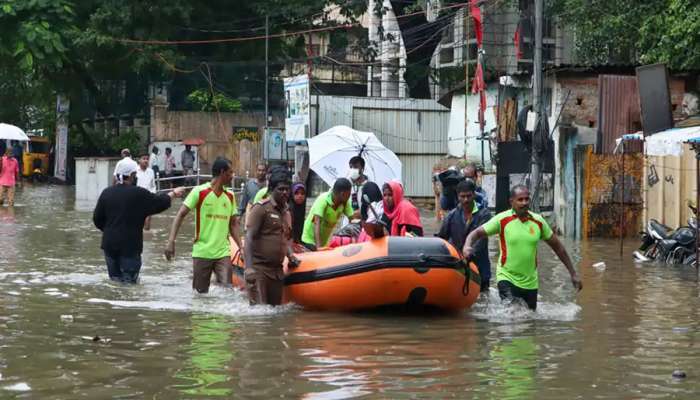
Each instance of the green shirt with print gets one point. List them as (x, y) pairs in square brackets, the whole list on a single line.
[(518, 240), (260, 195), (323, 207), (212, 215)]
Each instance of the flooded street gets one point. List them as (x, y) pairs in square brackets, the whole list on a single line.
[(620, 338)]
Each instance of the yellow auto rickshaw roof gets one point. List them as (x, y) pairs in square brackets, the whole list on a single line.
[(39, 139)]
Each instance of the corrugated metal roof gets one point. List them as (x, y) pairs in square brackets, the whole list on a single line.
[(618, 108)]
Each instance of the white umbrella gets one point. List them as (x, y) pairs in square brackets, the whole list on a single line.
[(330, 152), (11, 132)]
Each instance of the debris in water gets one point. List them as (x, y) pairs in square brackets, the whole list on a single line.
[(678, 374), (18, 387), (599, 265), (96, 339), (67, 318)]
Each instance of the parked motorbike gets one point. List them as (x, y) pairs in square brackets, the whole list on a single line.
[(663, 244)]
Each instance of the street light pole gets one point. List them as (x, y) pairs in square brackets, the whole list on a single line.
[(536, 172), (267, 51)]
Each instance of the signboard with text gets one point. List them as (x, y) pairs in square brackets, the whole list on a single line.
[(298, 110)]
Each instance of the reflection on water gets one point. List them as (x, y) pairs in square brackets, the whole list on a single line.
[(621, 337), (209, 353)]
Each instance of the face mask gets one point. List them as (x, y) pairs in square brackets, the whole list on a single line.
[(354, 174)]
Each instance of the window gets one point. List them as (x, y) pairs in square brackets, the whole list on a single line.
[(447, 55)]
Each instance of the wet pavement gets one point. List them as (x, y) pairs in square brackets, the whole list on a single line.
[(620, 338)]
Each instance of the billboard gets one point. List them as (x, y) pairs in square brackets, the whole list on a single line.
[(298, 112), (274, 145)]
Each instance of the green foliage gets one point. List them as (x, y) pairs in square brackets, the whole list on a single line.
[(630, 31), (76, 47), (131, 139), (34, 32), (85, 141), (212, 101)]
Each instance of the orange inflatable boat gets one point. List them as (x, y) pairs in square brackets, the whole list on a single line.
[(414, 273)]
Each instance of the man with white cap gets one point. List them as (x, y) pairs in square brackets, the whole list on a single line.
[(125, 154), (120, 214)]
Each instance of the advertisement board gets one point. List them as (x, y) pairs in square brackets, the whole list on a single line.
[(298, 109)]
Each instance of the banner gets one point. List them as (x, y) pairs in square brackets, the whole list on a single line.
[(61, 148), (298, 114)]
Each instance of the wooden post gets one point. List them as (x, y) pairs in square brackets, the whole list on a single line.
[(622, 199), (696, 146)]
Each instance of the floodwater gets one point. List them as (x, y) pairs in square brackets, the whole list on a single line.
[(620, 338)]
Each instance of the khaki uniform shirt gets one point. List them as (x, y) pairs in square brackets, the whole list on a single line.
[(269, 246)]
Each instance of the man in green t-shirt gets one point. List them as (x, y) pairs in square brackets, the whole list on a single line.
[(520, 230), (325, 214), (216, 218)]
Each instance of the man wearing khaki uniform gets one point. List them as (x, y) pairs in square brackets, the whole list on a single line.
[(268, 236)]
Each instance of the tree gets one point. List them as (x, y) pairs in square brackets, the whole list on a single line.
[(629, 31)]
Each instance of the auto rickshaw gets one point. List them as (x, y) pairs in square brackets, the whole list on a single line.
[(35, 160)]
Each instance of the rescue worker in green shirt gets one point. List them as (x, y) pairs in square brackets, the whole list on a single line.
[(520, 230), (216, 218), (325, 213)]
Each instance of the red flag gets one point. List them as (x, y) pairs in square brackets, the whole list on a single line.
[(516, 41), (476, 15), (479, 86), (478, 83)]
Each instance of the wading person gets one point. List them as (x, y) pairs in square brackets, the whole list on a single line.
[(216, 218), (187, 162), (124, 153), (154, 161), (251, 189), (120, 214), (463, 220), (358, 179), (262, 193), (470, 172), (169, 165), (399, 217), (146, 178), (325, 213), (268, 241), (520, 230), (297, 209), (9, 176)]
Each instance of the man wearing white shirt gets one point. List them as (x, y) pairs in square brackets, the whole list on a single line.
[(155, 161), (146, 178)]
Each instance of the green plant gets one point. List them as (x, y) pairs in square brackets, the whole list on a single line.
[(130, 139), (212, 101)]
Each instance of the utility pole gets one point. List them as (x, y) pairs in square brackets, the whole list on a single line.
[(466, 77), (267, 51), (537, 139)]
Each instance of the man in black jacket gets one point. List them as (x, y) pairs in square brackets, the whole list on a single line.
[(120, 214), (460, 222)]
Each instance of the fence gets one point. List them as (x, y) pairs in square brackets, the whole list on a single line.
[(669, 185), (612, 197)]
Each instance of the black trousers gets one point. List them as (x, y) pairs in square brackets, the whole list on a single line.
[(510, 293)]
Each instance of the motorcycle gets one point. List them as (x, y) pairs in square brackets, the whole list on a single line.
[(663, 244)]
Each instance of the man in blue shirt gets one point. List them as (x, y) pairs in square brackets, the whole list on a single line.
[(464, 219)]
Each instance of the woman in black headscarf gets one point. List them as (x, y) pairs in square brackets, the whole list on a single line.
[(371, 192), (297, 207)]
